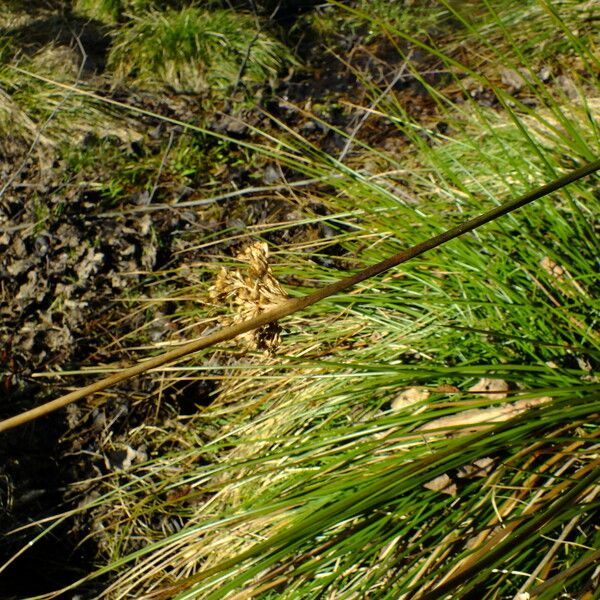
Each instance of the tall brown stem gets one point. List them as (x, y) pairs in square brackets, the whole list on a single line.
[(296, 304)]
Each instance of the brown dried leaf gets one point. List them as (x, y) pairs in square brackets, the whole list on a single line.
[(563, 280), (89, 264), (122, 458), (443, 483), (482, 467), (409, 397), (483, 416), (494, 389)]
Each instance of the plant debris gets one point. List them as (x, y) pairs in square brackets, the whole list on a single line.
[(493, 389), (468, 420), (249, 294)]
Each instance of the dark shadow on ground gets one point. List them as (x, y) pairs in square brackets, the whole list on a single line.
[(32, 483), (63, 30)]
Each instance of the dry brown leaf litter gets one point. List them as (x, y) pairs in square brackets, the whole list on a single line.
[(493, 389), (409, 397), (562, 279), (475, 419)]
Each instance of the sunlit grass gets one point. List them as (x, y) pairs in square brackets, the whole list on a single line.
[(191, 50), (310, 474), (33, 110), (111, 11)]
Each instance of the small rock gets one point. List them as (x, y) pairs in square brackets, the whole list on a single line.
[(545, 74), (568, 86), (512, 79), (271, 175)]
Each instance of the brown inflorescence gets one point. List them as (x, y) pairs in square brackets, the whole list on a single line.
[(250, 293)]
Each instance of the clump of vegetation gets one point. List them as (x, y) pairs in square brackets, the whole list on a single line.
[(432, 432), (193, 50), (33, 109), (111, 11), (321, 453)]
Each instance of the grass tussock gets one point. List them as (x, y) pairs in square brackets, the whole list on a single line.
[(111, 11), (430, 432), (195, 51), (36, 110)]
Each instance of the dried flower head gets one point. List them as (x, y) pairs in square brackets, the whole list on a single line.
[(250, 294)]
